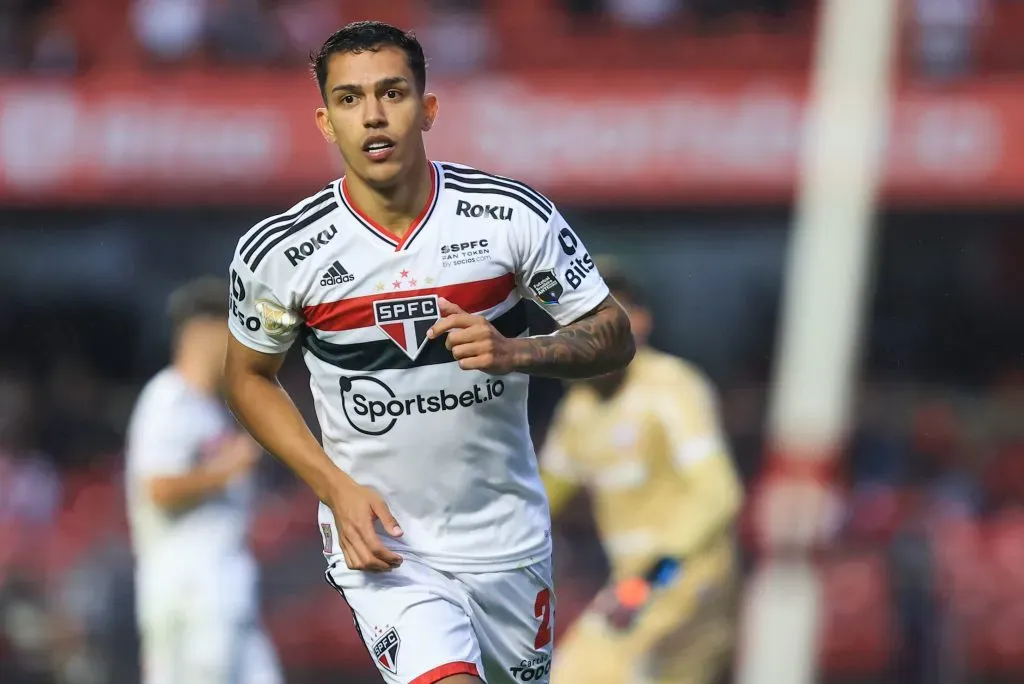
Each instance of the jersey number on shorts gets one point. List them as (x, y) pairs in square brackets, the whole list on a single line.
[(542, 610)]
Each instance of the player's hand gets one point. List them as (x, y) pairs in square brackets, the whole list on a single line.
[(619, 603), (472, 340), (355, 510), (237, 455)]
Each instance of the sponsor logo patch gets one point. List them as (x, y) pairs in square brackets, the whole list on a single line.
[(328, 535), (532, 669), (373, 408), (495, 212), (336, 275), (468, 252), (299, 252), (277, 321), (545, 285)]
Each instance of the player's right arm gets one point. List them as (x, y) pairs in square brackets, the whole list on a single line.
[(173, 492), (164, 458), (263, 327)]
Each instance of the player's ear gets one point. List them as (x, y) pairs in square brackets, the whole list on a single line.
[(323, 122), (429, 110)]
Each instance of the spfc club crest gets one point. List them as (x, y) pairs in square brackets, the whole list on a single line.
[(406, 321), (385, 651)]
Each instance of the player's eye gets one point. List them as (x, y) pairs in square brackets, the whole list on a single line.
[(393, 94), (348, 99)]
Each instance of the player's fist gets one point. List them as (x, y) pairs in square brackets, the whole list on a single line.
[(356, 509), (473, 341), (620, 603), (237, 455)]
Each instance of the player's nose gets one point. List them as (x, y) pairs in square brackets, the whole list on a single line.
[(373, 114)]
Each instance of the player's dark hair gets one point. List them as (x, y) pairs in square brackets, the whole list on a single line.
[(362, 36), (205, 297), (619, 283)]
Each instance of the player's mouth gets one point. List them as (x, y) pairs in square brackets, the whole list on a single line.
[(379, 148)]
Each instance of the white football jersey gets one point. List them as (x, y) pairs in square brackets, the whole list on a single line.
[(199, 553), (448, 449)]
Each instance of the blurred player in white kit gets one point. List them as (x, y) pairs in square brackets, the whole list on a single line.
[(190, 488)]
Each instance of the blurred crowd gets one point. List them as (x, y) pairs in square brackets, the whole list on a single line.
[(69, 36), (948, 38)]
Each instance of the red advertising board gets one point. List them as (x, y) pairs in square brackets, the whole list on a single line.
[(699, 139)]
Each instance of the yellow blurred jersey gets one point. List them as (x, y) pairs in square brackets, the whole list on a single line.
[(662, 484), (654, 460)]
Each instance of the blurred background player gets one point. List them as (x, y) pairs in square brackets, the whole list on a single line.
[(646, 443), (190, 489)]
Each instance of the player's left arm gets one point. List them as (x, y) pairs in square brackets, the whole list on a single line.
[(554, 269), (598, 342)]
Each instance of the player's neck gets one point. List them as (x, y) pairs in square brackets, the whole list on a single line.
[(397, 207), (608, 386), (613, 384), (195, 375)]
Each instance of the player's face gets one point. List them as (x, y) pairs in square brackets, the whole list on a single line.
[(375, 115), (639, 320), (208, 337)]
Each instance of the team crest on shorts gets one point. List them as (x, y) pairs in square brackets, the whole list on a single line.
[(385, 650), (406, 321)]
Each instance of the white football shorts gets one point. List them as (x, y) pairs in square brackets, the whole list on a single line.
[(208, 651), (421, 625)]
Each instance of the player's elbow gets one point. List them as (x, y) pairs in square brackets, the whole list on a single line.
[(729, 491), (234, 382), (164, 495)]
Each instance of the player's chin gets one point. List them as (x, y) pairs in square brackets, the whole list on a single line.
[(383, 175)]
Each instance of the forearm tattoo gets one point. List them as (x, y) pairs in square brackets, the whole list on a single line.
[(599, 343)]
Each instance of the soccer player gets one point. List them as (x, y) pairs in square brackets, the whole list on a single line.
[(646, 443), (404, 283), (189, 482)]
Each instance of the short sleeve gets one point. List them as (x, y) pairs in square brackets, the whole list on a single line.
[(157, 446), (688, 413), (556, 271), (259, 318)]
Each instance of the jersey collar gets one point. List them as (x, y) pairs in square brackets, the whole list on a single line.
[(380, 232)]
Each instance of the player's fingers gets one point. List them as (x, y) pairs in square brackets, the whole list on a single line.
[(448, 308), (383, 513), (353, 559), (379, 557), (482, 362), (387, 557), (459, 320), (468, 335), (357, 555), (471, 349), (364, 557)]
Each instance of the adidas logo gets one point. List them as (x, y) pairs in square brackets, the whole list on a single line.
[(336, 275)]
